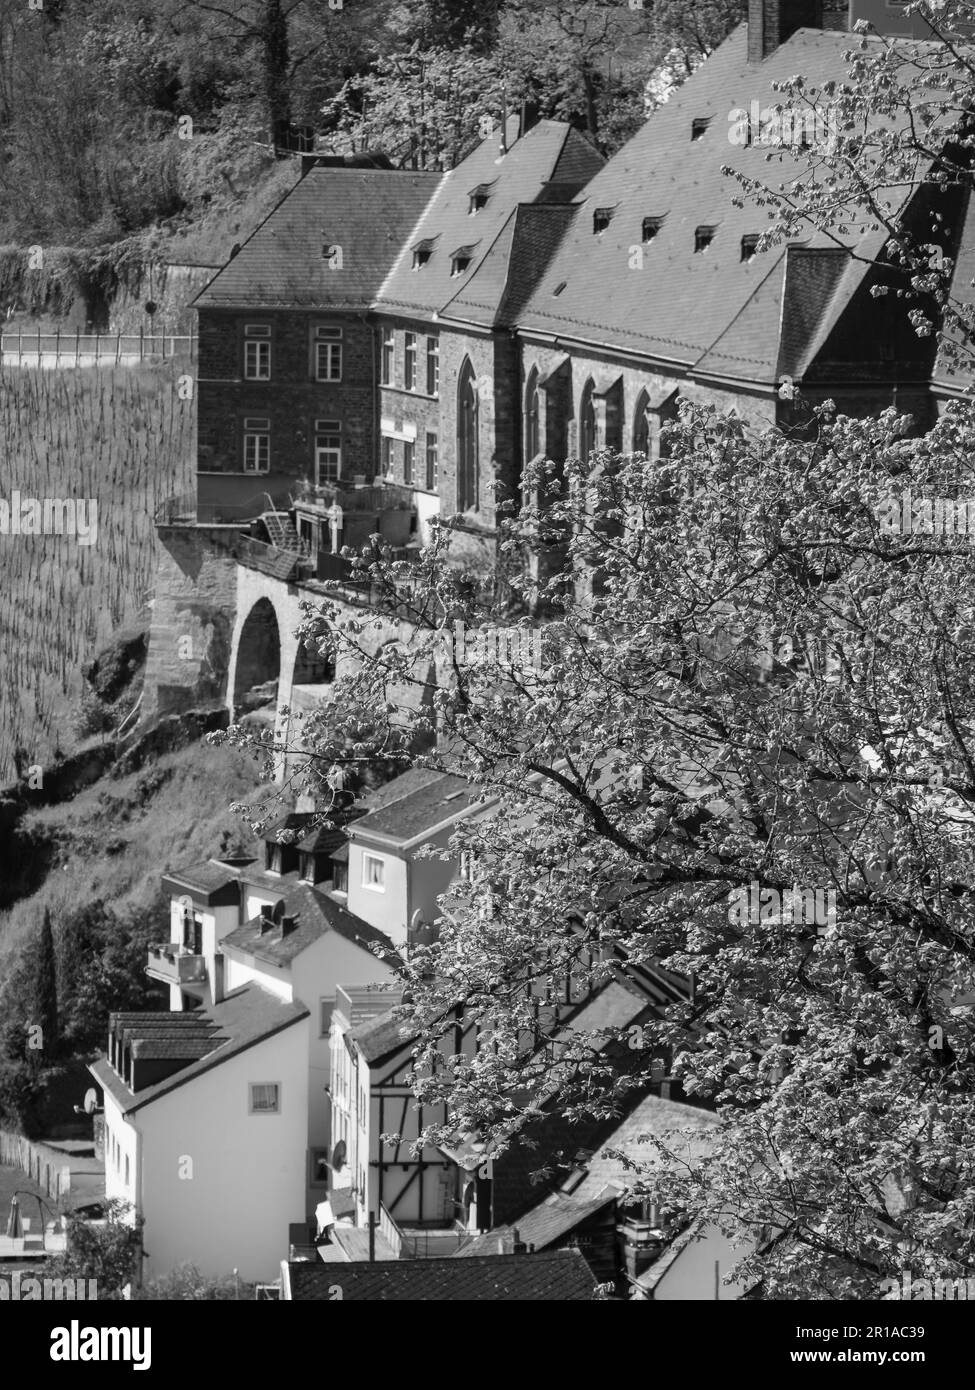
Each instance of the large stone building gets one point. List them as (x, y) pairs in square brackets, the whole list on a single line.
[(389, 345)]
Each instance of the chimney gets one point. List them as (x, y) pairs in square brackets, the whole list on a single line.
[(518, 1246), (267, 919), (529, 117), (216, 979), (772, 22), (288, 925)]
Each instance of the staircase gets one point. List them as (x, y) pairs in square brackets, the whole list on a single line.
[(281, 531)]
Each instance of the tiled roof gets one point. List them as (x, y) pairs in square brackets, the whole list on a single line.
[(369, 213), (410, 807), (409, 781), (552, 1219), (560, 1277), (212, 880), (508, 273), (530, 166), (710, 310), (381, 1037), (652, 1117), (243, 1018), (316, 914)]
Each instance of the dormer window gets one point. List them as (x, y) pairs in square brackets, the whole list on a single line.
[(460, 261), (699, 125), (601, 219), (422, 252), (478, 198), (749, 246), (651, 226), (703, 237)]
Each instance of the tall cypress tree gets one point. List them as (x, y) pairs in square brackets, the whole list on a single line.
[(46, 990)]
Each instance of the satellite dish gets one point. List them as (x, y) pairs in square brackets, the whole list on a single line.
[(416, 921), (338, 1154), (278, 912), (90, 1101)]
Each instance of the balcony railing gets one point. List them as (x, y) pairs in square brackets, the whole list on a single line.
[(380, 497), (176, 965), (185, 510)]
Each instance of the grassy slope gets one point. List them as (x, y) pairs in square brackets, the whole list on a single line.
[(117, 837)]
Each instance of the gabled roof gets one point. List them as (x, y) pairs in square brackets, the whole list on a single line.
[(414, 803), (368, 213), (552, 1219), (551, 160), (710, 311), (506, 275), (316, 913), (653, 1117), (560, 1277), (246, 1017), (214, 882), (382, 1037)]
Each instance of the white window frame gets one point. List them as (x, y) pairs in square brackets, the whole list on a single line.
[(433, 366), (386, 455), (263, 1110), (409, 462), (328, 445), (387, 378), (432, 480), (257, 431), (329, 337), (370, 862), (257, 364), (410, 354)]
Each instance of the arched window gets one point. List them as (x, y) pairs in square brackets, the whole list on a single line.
[(641, 425), (533, 446), (587, 423), (467, 443)]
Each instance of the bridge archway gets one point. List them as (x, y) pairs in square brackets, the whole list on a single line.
[(257, 656)]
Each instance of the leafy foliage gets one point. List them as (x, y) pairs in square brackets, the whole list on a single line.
[(187, 1283), (108, 1251)]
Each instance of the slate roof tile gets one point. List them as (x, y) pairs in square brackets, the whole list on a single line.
[(707, 309), (558, 1277), (527, 171), (369, 213)]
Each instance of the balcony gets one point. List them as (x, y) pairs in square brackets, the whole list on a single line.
[(175, 965)]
